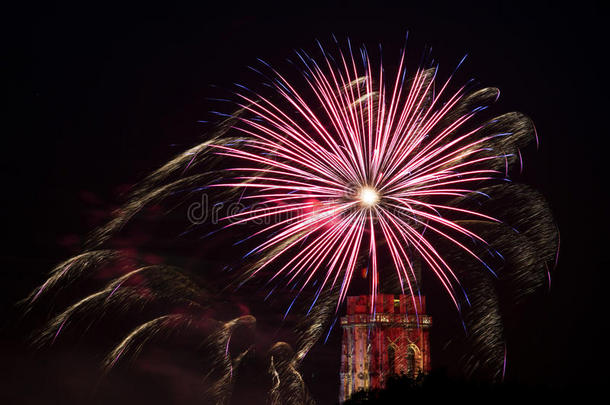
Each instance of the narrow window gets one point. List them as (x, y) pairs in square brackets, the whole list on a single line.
[(391, 359), (411, 362)]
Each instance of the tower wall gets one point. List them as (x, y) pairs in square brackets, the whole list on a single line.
[(382, 338)]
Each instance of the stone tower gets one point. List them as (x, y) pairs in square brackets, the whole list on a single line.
[(392, 340)]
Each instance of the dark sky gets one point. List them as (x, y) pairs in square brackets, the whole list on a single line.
[(99, 95)]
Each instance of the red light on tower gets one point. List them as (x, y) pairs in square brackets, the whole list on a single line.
[(394, 340)]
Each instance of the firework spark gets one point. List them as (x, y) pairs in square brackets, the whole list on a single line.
[(359, 168)]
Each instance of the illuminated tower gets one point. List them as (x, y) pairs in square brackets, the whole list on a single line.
[(392, 341)]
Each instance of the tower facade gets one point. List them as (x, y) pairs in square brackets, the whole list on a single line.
[(393, 340)]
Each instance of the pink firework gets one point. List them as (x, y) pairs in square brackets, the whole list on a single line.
[(352, 168)]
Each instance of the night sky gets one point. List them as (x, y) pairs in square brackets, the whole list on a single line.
[(99, 95)]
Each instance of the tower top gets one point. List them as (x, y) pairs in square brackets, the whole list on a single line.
[(390, 338)]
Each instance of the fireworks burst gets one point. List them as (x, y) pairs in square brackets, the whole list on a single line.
[(346, 171), (361, 168)]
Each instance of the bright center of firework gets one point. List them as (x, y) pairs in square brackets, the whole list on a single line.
[(368, 196)]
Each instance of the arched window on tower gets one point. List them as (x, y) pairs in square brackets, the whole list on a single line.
[(410, 362), (391, 359)]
